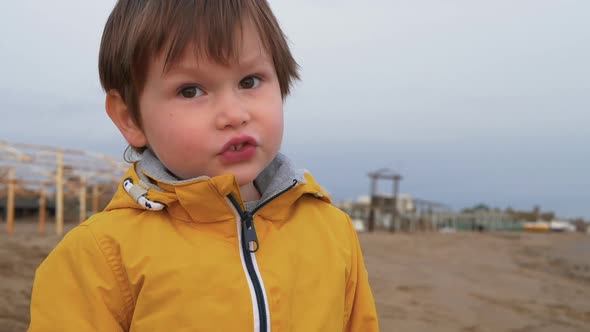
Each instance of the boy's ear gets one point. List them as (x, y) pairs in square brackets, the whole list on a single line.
[(120, 115)]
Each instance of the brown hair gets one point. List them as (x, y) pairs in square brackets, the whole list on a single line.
[(138, 30)]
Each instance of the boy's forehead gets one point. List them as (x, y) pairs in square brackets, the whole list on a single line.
[(247, 50)]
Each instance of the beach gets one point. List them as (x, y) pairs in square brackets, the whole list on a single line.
[(472, 282), (480, 281)]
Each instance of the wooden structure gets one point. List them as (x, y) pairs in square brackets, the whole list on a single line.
[(383, 174), (54, 173)]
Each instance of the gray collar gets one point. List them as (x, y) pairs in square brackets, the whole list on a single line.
[(277, 176)]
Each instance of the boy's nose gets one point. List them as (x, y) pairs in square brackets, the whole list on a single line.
[(231, 112)]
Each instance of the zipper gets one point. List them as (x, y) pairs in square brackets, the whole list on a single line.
[(249, 238), (248, 246)]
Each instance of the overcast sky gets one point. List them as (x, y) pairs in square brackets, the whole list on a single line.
[(471, 101)]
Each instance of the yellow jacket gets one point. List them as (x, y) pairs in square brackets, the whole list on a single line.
[(184, 256)]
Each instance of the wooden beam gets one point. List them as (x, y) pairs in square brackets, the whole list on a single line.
[(82, 199), (26, 182), (371, 223), (10, 202), (59, 195), (95, 198), (42, 209), (42, 147)]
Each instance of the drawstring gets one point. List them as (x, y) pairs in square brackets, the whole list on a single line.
[(138, 193)]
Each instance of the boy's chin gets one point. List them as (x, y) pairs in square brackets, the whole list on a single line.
[(246, 177), (244, 180)]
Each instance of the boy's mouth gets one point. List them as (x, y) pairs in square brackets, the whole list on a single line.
[(238, 143), (237, 147)]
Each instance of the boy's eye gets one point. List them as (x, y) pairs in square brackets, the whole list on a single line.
[(191, 92), (250, 82)]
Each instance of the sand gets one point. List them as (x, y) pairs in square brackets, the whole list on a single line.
[(472, 282), (480, 282)]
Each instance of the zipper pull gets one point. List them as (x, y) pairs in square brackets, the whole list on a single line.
[(249, 238)]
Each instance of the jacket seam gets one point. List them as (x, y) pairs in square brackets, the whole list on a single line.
[(347, 309), (118, 273), (191, 221), (266, 216)]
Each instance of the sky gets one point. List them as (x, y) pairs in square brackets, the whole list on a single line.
[(470, 101)]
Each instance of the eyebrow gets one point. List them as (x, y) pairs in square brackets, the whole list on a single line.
[(250, 61)]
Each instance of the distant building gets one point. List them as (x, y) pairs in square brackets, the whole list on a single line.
[(414, 214), (410, 214), (549, 226)]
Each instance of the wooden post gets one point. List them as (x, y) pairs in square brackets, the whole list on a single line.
[(10, 202), (371, 221), (95, 198), (396, 179), (59, 195), (42, 209), (82, 199)]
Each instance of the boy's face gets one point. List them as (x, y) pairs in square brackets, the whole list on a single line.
[(203, 118)]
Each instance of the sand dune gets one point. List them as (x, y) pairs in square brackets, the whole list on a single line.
[(467, 282)]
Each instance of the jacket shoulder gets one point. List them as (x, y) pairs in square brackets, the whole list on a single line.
[(323, 214), (113, 221)]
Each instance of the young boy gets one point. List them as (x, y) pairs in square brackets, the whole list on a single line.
[(212, 229)]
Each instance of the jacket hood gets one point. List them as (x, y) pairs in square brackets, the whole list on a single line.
[(148, 185)]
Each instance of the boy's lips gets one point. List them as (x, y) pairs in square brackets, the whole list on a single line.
[(238, 149)]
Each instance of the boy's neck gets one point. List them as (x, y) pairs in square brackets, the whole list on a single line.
[(249, 192)]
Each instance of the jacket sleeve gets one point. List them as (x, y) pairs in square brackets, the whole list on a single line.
[(360, 314), (75, 288)]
